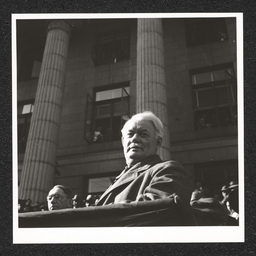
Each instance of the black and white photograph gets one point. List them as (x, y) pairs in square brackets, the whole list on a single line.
[(128, 128)]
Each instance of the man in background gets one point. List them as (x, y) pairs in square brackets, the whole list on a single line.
[(59, 197)]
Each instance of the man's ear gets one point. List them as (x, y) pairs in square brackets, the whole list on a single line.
[(159, 142)]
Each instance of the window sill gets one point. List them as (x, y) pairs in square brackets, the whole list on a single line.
[(104, 146)]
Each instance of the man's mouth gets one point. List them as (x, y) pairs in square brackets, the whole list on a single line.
[(135, 148)]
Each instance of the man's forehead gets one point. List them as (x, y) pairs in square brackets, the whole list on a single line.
[(138, 125)]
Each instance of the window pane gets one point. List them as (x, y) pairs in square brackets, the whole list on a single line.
[(110, 106), (126, 91), (23, 129), (230, 73), (104, 125), (121, 108), (202, 78), (117, 111), (105, 95), (116, 124), (88, 118), (36, 69), (111, 94), (206, 98), (103, 111), (223, 75), (99, 184), (224, 95), (219, 75), (214, 96), (20, 107), (195, 99), (27, 109)]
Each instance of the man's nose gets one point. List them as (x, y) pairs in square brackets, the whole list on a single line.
[(135, 137)]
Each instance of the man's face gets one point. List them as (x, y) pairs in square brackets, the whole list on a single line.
[(139, 141), (58, 200)]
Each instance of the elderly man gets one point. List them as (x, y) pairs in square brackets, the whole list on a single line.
[(146, 177), (59, 197)]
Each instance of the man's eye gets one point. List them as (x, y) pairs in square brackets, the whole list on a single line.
[(144, 135)]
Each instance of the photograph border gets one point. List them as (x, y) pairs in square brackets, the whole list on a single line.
[(195, 234)]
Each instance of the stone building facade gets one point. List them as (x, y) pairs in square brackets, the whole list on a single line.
[(81, 78)]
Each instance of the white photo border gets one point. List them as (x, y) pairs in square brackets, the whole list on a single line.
[(195, 234)]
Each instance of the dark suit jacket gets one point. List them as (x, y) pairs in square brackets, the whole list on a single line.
[(150, 179)]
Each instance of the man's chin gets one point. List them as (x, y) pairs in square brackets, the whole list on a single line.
[(135, 155)]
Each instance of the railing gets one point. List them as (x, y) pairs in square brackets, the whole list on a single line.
[(164, 212)]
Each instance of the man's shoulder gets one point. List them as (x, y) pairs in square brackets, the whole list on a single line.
[(170, 167), (168, 164), (155, 164), (171, 163)]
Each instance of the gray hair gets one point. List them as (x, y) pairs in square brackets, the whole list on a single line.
[(148, 116), (66, 190)]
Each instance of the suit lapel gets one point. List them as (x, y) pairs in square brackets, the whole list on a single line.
[(124, 177), (129, 175)]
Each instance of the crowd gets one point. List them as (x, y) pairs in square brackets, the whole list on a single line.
[(146, 178), (77, 202), (26, 206), (225, 199)]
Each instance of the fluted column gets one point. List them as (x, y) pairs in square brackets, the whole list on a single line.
[(151, 91), (40, 156)]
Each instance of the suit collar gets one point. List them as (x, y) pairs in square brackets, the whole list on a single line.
[(140, 166), (129, 174), (148, 161), (151, 160)]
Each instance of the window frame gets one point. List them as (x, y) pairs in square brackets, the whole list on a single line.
[(28, 61), (95, 176), (22, 139), (91, 116), (213, 87), (113, 39)]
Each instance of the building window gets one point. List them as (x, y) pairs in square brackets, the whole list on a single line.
[(214, 175), (112, 48), (205, 31), (106, 113), (97, 186), (25, 110), (214, 96), (30, 65)]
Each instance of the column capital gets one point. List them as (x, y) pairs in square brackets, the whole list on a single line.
[(59, 24)]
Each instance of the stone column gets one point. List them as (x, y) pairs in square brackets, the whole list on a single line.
[(40, 156), (151, 91)]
